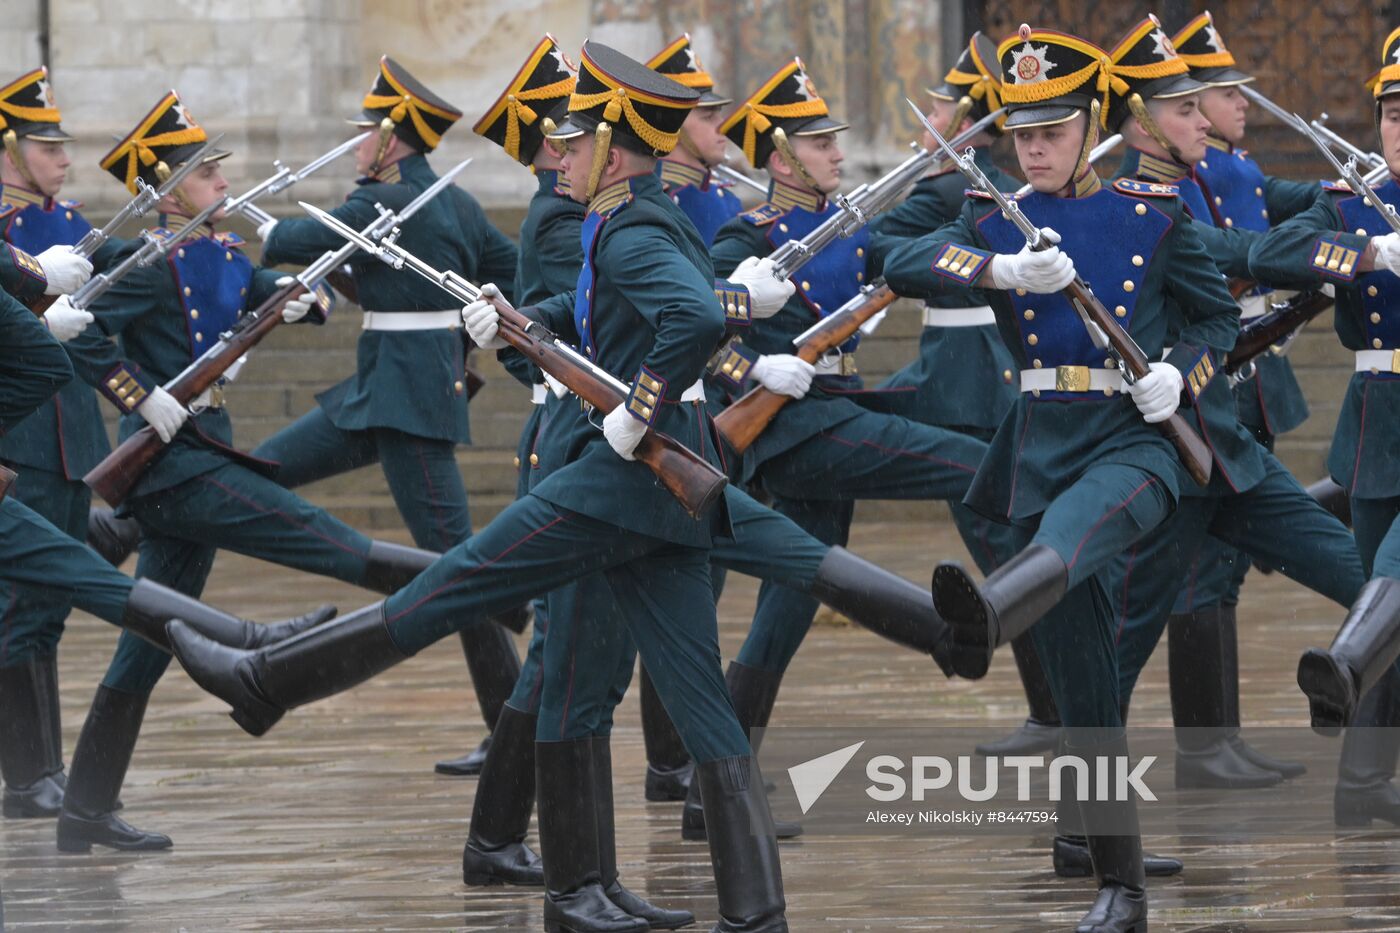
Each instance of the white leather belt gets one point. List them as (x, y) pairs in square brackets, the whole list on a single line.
[(695, 393), (1378, 361), (1071, 379), (958, 317), (1252, 306), (838, 364), (412, 320), (537, 393)]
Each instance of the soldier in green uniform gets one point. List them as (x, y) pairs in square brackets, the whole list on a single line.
[(1076, 466), (829, 446), (963, 377), (645, 307), (406, 404), (1252, 503), (686, 172), (1344, 242), (53, 448), (201, 493), (38, 558)]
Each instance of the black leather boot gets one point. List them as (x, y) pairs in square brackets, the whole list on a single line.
[(748, 876), (574, 899), (1363, 650), (25, 761), (885, 603), (658, 918), (753, 692), (1041, 730), (494, 665), (470, 764), (112, 538), (1333, 498), (1005, 606), (1115, 844), (1203, 669), (150, 606), (390, 567), (100, 761), (53, 717), (496, 852), (668, 763), (1364, 790), (261, 685), (1070, 851)]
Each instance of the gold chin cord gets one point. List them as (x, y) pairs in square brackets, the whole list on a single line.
[(602, 142), (1144, 118), (1091, 139), (17, 157), (162, 173), (386, 133), (780, 143), (960, 112)]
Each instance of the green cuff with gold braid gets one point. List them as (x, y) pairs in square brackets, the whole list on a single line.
[(644, 401), (127, 387), (962, 264), (1336, 256), (734, 299), (22, 276)]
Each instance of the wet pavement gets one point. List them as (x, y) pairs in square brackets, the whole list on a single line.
[(335, 821)]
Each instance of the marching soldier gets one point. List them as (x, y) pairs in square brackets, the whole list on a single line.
[(1076, 467), (963, 377), (1252, 503), (823, 450), (405, 407), (1342, 241), (686, 172), (200, 494), (53, 448), (648, 310)]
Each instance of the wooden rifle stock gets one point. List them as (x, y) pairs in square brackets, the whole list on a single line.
[(743, 421), (1194, 453), (1260, 334), (114, 477), (1240, 287), (41, 304), (695, 482), (7, 479)]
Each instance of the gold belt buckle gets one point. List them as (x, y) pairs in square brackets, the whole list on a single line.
[(216, 396), (1395, 361), (1071, 379), (848, 364)]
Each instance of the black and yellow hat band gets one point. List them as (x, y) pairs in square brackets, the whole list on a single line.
[(27, 108), (1200, 45), (1387, 81)]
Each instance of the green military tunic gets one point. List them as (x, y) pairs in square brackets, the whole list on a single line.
[(964, 376)]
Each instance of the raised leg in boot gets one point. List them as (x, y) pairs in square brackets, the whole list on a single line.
[(1364, 649)]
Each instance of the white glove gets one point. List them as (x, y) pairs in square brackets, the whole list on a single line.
[(623, 432), (265, 229), (65, 321), (1387, 251), (767, 295), (163, 413), (482, 320), (784, 374), (1044, 271), (297, 308), (1158, 393), (558, 388), (65, 270)]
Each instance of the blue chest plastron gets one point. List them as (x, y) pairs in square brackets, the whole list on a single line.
[(213, 279), (708, 209), (1380, 290), (1195, 200), (583, 294), (1237, 181), (1051, 331), (34, 229), (834, 275)]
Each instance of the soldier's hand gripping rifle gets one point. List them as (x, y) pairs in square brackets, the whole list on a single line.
[(1104, 330), (861, 205), (145, 199), (693, 481), (114, 477)]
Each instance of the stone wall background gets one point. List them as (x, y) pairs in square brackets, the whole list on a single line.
[(277, 77)]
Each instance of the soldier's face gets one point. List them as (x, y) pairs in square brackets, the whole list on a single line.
[(47, 162), (1183, 124), (701, 127), (1225, 108), (204, 186), (369, 148), (1048, 154), (575, 162), (821, 156), (1390, 132)]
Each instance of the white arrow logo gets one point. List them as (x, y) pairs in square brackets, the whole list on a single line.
[(811, 778)]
